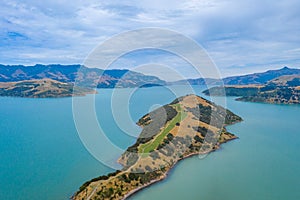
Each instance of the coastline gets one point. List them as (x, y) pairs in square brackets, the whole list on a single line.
[(133, 192), (170, 169), (126, 184)]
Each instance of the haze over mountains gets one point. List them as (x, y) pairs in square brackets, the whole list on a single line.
[(82, 75), (123, 78), (255, 78), (42, 88)]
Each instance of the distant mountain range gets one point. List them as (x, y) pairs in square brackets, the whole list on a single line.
[(117, 78), (198, 81), (42, 88), (256, 78), (82, 75), (260, 78)]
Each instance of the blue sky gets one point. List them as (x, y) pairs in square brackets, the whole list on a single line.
[(240, 36)]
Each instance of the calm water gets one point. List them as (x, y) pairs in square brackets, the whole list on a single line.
[(42, 156)]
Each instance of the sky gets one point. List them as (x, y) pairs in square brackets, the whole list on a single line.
[(240, 36)]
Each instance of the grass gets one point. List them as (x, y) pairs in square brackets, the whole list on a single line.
[(153, 144)]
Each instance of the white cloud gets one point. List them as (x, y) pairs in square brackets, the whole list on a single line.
[(239, 35)]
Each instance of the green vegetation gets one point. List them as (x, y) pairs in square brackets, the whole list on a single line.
[(151, 146), (104, 177), (152, 123), (294, 83), (165, 139), (215, 117), (280, 95), (231, 91), (202, 130)]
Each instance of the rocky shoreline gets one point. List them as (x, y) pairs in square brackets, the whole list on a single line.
[(165, 176)]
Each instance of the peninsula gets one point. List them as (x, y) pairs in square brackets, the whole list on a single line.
[(190, 125), (281, 90)]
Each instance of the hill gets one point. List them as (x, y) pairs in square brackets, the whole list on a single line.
[(91, 77), (286, 81), (197, 81), (190, 125), (281, 90), (42, 88), (260, 78), (256, 78)]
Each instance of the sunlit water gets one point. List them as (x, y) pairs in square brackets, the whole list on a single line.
[(42, 156)]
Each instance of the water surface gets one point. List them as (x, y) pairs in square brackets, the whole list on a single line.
[(42, 156)]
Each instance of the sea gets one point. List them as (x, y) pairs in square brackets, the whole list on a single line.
[(42, 155)]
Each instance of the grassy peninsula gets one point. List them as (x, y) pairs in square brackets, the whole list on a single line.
[(190, 125)]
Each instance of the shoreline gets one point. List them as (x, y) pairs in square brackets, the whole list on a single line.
[(166, 174), (111, 188), (163, 177)]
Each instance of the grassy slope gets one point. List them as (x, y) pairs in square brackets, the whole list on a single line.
[(153, 144)]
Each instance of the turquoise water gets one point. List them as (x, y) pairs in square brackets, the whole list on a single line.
[(42, 156)]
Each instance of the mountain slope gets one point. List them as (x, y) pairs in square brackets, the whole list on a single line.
[(42, 88), (260, 78), (281, 90), (82, 75), (256, 78), (198, 81), (287, 81)]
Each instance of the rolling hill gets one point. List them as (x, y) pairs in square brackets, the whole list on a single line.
[(281, 90), (91, 77), (42, 88)]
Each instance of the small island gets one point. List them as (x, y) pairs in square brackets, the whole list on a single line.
[(189, 125), (281, 90), (42, 88)]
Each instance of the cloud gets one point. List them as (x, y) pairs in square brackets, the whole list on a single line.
[(240, 36)]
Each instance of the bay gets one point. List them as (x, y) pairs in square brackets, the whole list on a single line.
[(42, 156)]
